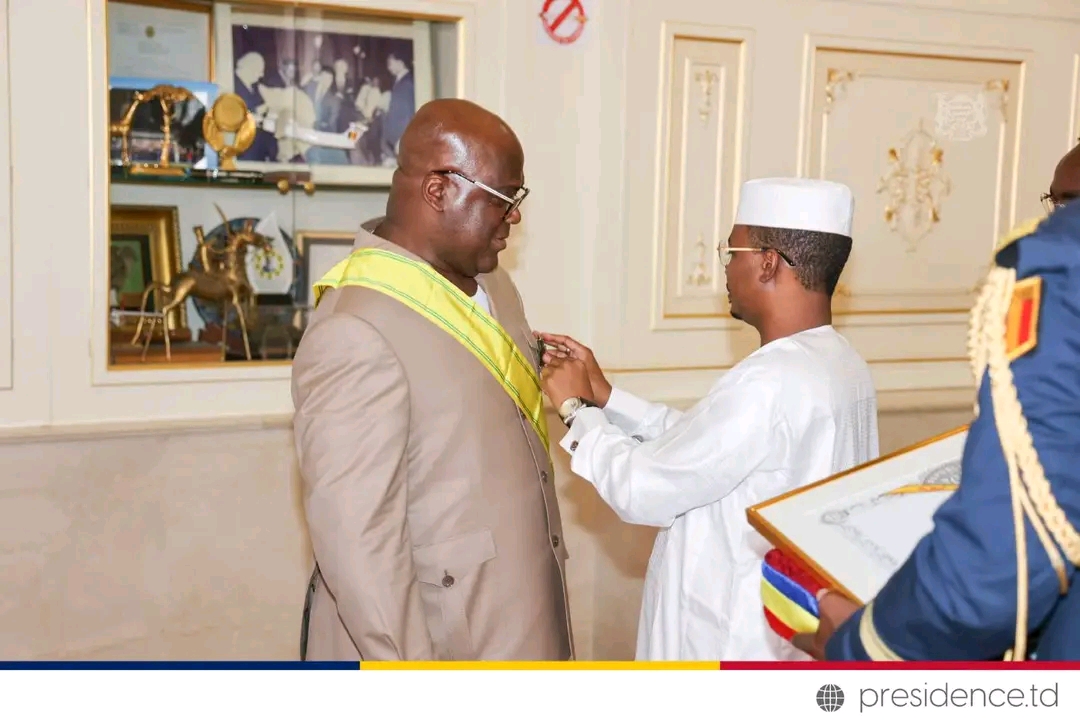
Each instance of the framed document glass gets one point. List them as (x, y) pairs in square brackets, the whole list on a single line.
[(160, 38), (855, 529)]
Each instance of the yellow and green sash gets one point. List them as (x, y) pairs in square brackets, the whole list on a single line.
[(419, 287)]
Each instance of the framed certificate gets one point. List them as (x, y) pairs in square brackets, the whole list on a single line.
[(160, 39), (854, 530)]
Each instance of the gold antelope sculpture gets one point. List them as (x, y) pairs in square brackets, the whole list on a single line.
[(223, 278)]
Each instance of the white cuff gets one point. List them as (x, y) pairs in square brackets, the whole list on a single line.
[(630, 409), (586, 419)]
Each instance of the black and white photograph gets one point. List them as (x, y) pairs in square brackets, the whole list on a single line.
[(327, 93), (146, 135)]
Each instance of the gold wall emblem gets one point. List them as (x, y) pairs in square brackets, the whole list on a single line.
[(915, 186)]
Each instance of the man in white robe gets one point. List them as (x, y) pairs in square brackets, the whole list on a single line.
[(800, 408)]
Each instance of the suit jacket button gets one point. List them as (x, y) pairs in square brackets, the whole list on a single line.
[(447, 581), (543, 476), (555, 540)]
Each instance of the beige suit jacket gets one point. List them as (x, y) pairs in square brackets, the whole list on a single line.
[(429, 498)]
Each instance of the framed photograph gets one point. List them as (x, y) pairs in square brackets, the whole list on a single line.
[(319, 252), (144, 248), (855, 529), (331, 93), (147, 135), (160, 38)]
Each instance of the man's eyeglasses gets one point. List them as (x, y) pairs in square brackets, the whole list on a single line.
[(1048, 202), (1052, 203), (512, 202), (726, 253)]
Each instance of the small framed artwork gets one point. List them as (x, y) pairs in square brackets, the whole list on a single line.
[(855, 529), (144, 253), (331, 93), (160, 38), (319, 253), (146, 123)]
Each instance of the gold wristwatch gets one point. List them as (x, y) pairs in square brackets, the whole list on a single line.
[(570, 408)]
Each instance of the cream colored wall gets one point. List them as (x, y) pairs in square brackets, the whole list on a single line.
[(189, 543), (166, 540)]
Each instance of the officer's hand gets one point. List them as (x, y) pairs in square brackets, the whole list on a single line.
[(565, 377), (563, 346), (833, 609)]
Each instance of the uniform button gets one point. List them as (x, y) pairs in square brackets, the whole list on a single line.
[(555, 540), (543, 476), (447, 581), (573, 446)]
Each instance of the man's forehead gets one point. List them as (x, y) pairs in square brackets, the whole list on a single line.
[(739, 236), (503, 166), (1067, 178)]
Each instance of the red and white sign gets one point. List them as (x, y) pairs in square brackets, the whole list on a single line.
[(563, 20)]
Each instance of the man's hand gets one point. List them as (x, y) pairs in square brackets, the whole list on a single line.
[(564, 346), (565, 377), (834, 609)]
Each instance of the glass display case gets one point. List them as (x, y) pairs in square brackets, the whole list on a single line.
[(248, 144)]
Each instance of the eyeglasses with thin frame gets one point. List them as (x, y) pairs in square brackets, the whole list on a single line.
[(727, 253), (1048, 202), (1051, 203), (512, 202)]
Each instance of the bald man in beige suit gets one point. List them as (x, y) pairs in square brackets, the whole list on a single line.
[(429, 493)]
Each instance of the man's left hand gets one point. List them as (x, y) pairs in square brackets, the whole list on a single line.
[(833, 610), (564, 378)]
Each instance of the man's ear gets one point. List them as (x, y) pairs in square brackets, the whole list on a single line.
[(770, 264), (433, 190)]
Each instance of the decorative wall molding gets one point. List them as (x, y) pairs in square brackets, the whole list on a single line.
[(1073, 137), (706, 78), (915, 186), (836, 82), (902, 114), (702, 111), (147, 428), (7, 325)]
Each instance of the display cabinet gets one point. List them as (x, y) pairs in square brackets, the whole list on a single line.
[(247, 144)]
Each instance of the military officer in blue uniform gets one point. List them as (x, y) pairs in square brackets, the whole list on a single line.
[(997, 576)]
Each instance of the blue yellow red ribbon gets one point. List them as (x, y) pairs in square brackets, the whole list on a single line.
[(788, 596)]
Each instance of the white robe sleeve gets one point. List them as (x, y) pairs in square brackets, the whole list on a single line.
[(700, 459), (639, 417)]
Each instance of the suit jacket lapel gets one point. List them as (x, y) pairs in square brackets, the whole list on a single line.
[(502, 309)]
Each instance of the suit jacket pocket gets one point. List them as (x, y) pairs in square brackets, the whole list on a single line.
[(448, 573)]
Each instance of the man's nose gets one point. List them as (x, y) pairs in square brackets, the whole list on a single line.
[(515, 217)]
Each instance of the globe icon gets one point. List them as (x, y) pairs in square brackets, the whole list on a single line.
[(830, 698)]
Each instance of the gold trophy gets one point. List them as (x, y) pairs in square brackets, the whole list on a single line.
[(230, 129)]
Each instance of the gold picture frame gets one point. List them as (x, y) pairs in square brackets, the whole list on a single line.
[(819, 524), (144, 248)]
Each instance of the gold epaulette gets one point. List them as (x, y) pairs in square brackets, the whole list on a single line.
[(1022, 230)]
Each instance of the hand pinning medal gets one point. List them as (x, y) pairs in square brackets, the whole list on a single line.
[(540, 348)]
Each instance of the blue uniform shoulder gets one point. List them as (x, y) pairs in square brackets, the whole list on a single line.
[(1028, 340), (1043, 244), (955, 597)]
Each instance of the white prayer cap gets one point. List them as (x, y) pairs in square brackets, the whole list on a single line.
[(797, 204)]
